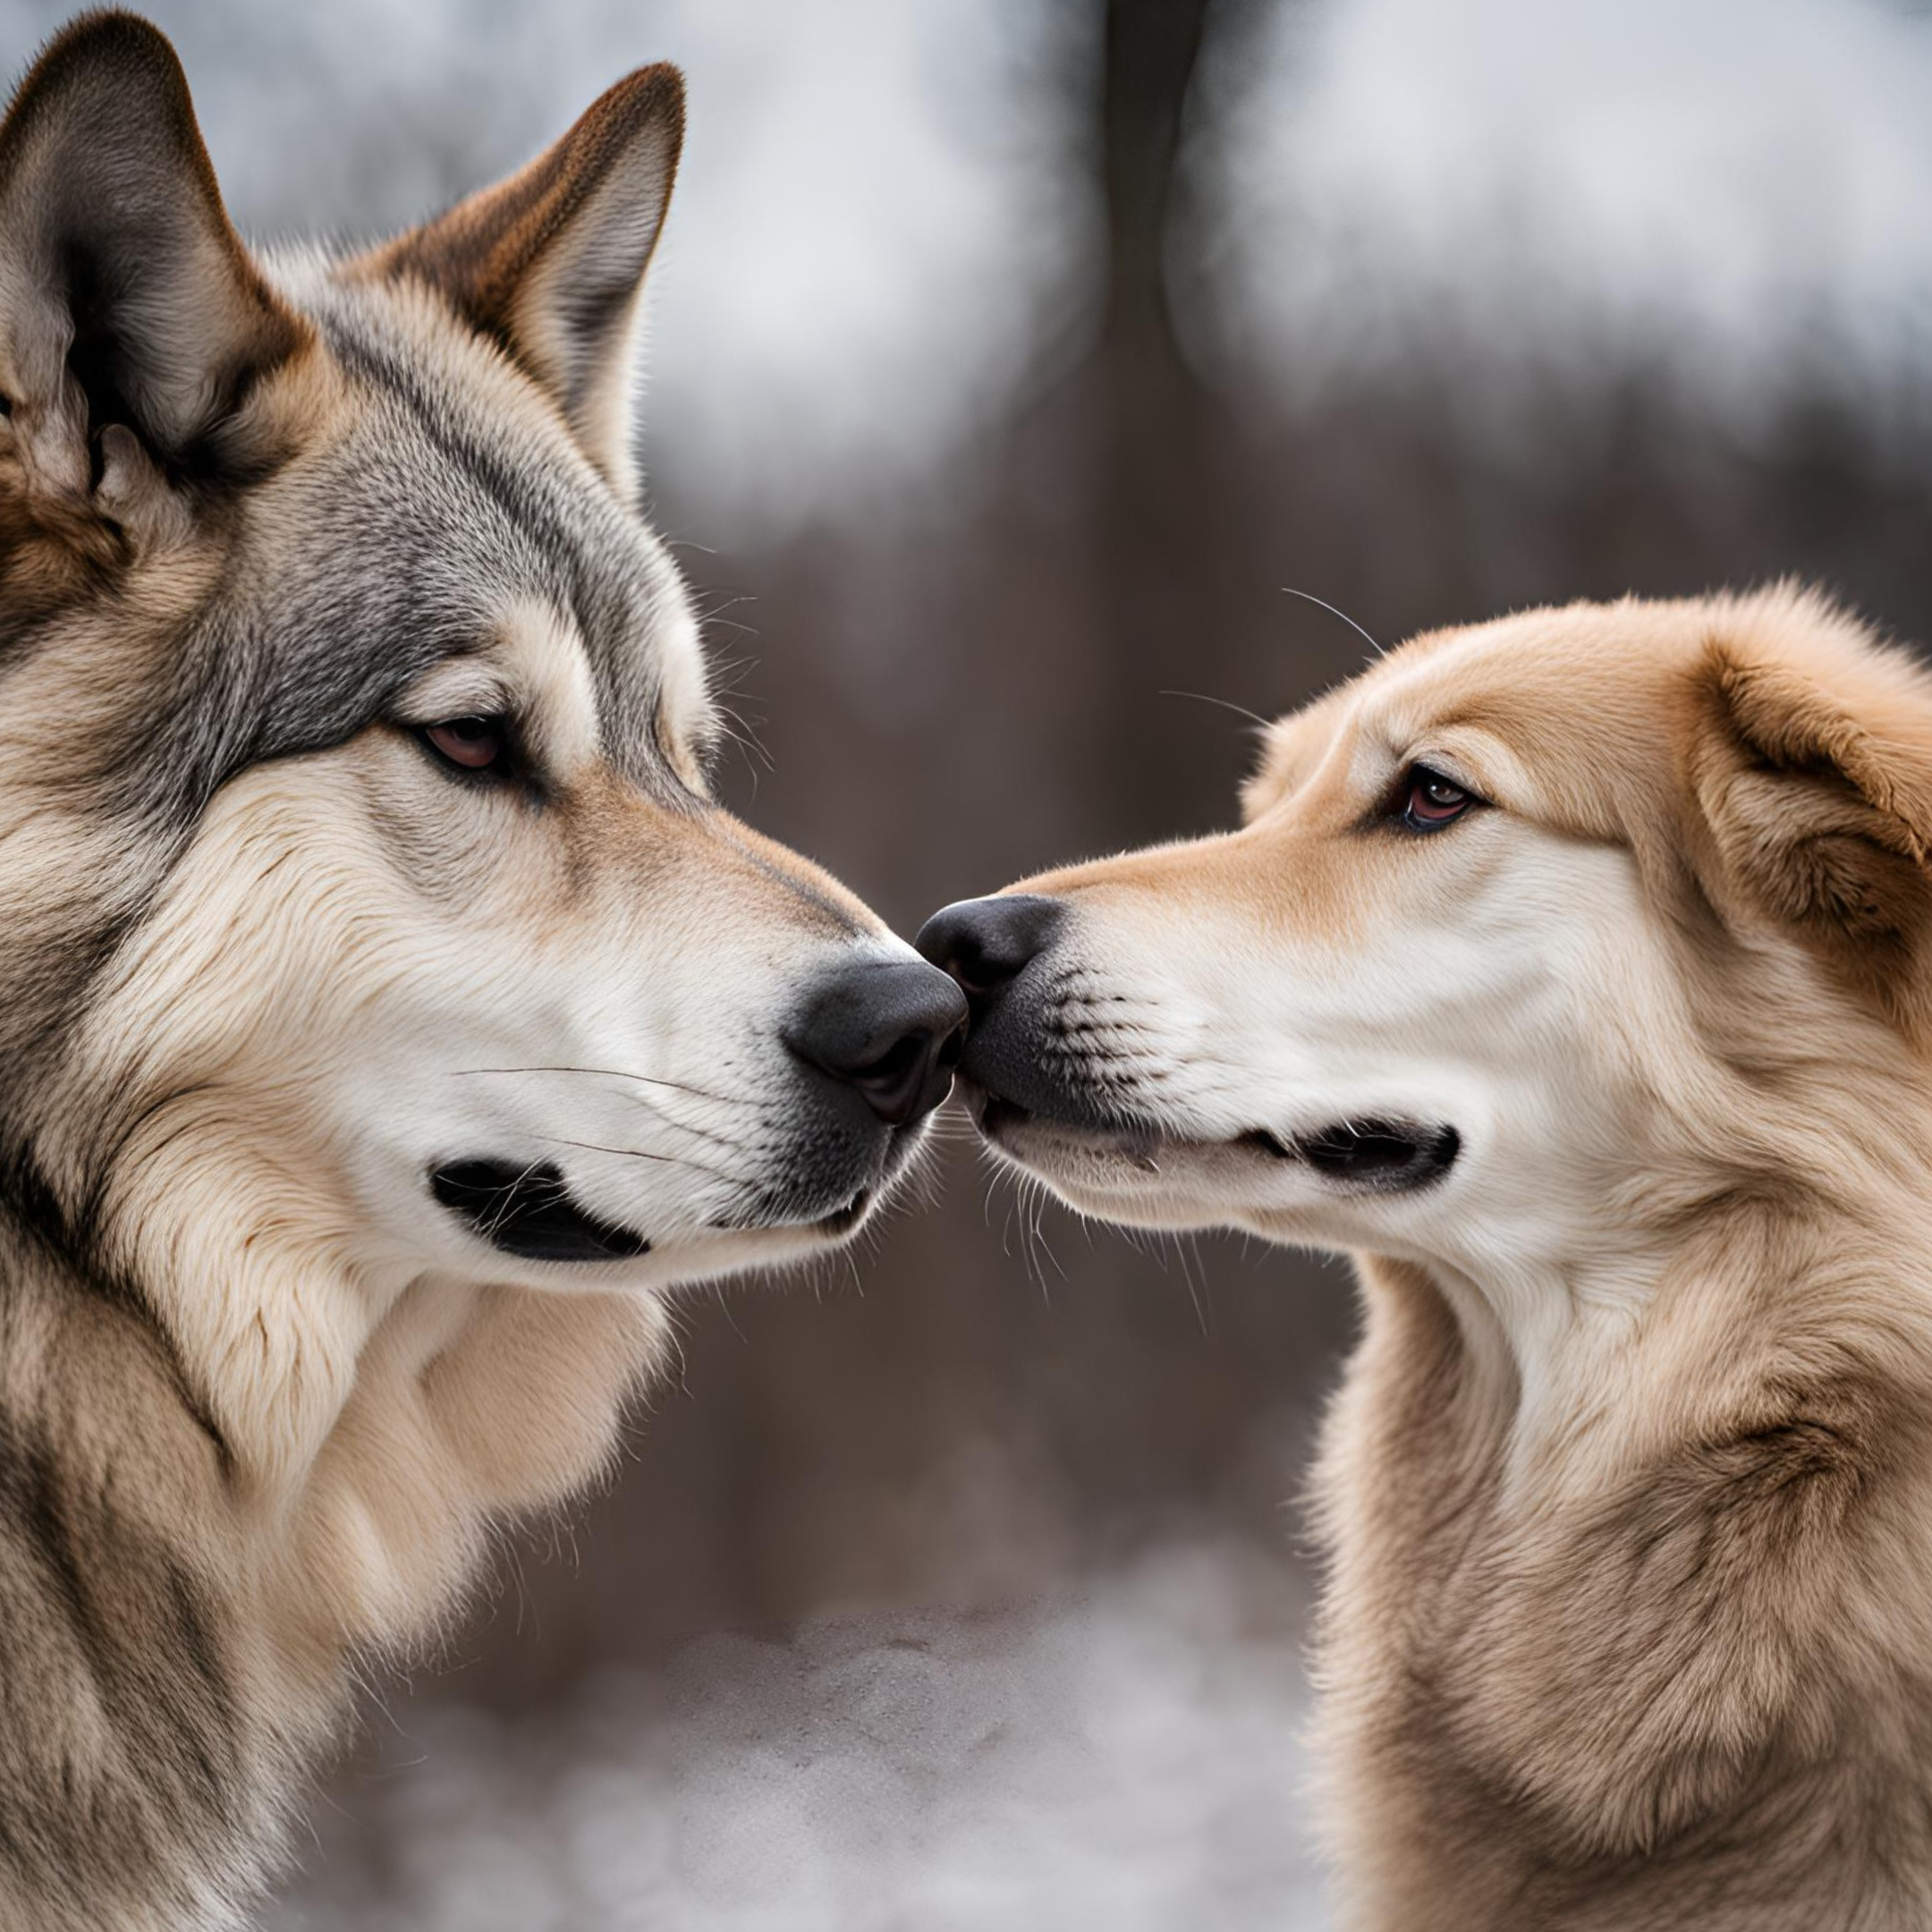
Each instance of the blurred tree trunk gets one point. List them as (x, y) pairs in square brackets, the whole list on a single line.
[(1152, 507), (1151, 50)]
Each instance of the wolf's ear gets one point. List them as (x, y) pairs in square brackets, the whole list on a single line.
[(549, 263), (126, 297), (1819, 798)]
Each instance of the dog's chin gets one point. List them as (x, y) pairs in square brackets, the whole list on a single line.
[(1147, 1175)]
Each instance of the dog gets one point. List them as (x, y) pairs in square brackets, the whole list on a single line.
[(389, 1015), (1573, 973)]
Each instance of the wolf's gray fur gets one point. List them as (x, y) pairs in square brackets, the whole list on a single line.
[(271, 956)]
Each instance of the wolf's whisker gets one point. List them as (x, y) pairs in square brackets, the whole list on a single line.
[(494, 1224), (672, 1160), (649, 1079)]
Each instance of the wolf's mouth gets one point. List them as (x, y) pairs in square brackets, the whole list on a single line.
[(1366, 1156), (843, 1220), (529, 1212)]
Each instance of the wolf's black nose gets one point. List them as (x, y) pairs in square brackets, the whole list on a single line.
[(985, 943), (890, 1029)]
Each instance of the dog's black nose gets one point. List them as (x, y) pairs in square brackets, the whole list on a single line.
[(986, 942), (890, 1029)]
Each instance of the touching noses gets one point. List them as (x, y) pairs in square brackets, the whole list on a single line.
[(986, 943), (890, 1030)]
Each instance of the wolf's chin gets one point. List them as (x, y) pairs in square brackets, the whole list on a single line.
[(838, 1210), (844, 1221)]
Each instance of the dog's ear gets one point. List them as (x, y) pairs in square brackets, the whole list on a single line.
[(1818, 795), (549, 263), (128, 302)]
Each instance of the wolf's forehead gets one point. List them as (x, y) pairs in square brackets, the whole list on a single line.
[(454, 502)]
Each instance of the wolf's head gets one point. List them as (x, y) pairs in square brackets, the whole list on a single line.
[(368, 914)]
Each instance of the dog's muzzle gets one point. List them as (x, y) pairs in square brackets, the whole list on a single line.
[(996, 950), (1022, 1079)]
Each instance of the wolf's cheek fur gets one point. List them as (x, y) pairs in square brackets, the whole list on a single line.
[(360, 968)]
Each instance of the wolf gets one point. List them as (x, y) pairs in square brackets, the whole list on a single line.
[(389, 1015), (1573, 973)]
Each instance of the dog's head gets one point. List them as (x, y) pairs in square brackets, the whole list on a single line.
[(366, 903), (1534, 929)]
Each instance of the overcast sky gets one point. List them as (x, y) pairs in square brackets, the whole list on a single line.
[(885, 227), (1744, 185)]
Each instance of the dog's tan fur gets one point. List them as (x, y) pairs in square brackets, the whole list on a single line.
[(1627, 1495)]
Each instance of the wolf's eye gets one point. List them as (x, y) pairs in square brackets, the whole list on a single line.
[(1430, 802), (472, 744)]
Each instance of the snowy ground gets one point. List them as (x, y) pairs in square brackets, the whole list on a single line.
[(1127, 1758)]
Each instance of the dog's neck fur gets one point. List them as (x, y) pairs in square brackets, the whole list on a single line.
[(1588, 1495)]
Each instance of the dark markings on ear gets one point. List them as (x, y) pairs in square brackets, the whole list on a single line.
[(1820, 803), (549, 263), (129, 297)]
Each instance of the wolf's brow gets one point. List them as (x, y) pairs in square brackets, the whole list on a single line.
[(532, 502)]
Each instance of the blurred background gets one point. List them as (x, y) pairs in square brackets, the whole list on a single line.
[(1011, 361)]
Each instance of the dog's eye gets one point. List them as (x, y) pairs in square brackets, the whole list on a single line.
[(1430, 802), (472, 744)]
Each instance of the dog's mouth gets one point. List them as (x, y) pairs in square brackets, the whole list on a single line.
[(1381, 1156), (528, 1211), (1360, 1156)]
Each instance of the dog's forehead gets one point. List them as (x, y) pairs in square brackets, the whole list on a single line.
[(1567, 713), (1601, 661), (1560, 706)]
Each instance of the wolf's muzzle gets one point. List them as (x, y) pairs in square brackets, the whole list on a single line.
[(530, 1211)]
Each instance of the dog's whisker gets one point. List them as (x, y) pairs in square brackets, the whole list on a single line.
[(1187, 1276), (1309, 597), (1225, 704)]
